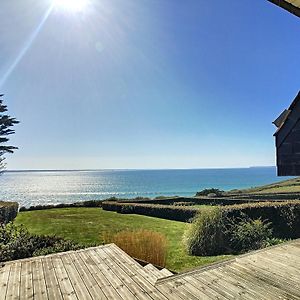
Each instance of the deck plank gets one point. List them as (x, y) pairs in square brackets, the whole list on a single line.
[(26, 285), (91, 284), (254, 276), (107, 272), (122, 275), (272, 283), (66, 287), (239, 290), (38, 280), (134, 271), (148, 279), (150, 268), (13, 288), (281, 273), (209, 293), (218, 286), (115, 281), (52, 286), (4, 277), (255, 289), (78, 284), (102, 280), (189, 290)]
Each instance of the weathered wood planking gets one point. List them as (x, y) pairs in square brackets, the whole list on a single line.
[(106, 272), (272, 273)]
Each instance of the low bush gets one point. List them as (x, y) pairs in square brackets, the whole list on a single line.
[(170, 212), (146, 245), (207, 192), (205, 235), (248, 234), (8, 211), (16, 243)]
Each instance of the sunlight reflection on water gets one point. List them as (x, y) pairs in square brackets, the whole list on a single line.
[(33, 188)]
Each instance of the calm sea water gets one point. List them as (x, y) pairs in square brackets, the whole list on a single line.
[(32, 188)]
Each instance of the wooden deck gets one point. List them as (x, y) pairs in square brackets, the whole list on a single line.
[(106, 272)]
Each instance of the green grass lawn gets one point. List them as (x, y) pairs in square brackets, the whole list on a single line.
[(286, 186), (87, 225)]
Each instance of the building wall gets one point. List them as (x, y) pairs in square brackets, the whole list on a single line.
[(288, 153)]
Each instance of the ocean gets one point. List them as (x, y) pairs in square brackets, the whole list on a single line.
[(53, 187)]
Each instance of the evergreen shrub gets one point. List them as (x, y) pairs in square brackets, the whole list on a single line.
[(8, 211), (16, 243)]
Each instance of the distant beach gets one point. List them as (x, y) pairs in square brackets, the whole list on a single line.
[(52, 187)]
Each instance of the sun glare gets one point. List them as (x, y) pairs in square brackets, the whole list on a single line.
[(71, 5)]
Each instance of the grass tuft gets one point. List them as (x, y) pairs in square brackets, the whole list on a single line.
[(146, 245)]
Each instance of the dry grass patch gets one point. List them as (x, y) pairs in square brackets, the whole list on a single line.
[(146, 245)]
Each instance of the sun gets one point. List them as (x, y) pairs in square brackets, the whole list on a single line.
[(71, 5)]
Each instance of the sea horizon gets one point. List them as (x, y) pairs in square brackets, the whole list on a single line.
[(43, 187), (133, 169)]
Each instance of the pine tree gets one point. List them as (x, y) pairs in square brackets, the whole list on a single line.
[(6, 123)]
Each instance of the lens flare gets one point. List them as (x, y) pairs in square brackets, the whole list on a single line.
[(71, 5)]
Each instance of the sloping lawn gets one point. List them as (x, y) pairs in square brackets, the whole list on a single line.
[(88, 225), (286, 186)]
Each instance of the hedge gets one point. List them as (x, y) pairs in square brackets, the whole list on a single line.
[(265, 196), (230, 199), (284, 216), (8, 211), (88, 203), (197, 200), (170, 212)]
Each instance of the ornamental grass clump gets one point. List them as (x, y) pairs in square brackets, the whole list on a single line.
[(146, 245), (213, 232), (205, 236)]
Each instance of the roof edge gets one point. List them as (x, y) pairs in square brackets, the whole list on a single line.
[(291, 107), (287, 6)]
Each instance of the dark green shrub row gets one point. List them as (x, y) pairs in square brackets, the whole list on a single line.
[(200, 201), (187, 201), (8, 211), (89, 203), (16, 243), (170, 212), (263, 196), (240, 228), (267, 197), (284, 216)]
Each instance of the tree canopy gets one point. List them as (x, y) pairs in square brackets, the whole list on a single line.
[(6, 124)]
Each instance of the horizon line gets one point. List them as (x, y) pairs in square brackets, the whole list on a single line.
[(131, 169)]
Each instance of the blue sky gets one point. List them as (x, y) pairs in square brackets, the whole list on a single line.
[(147, 84)]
